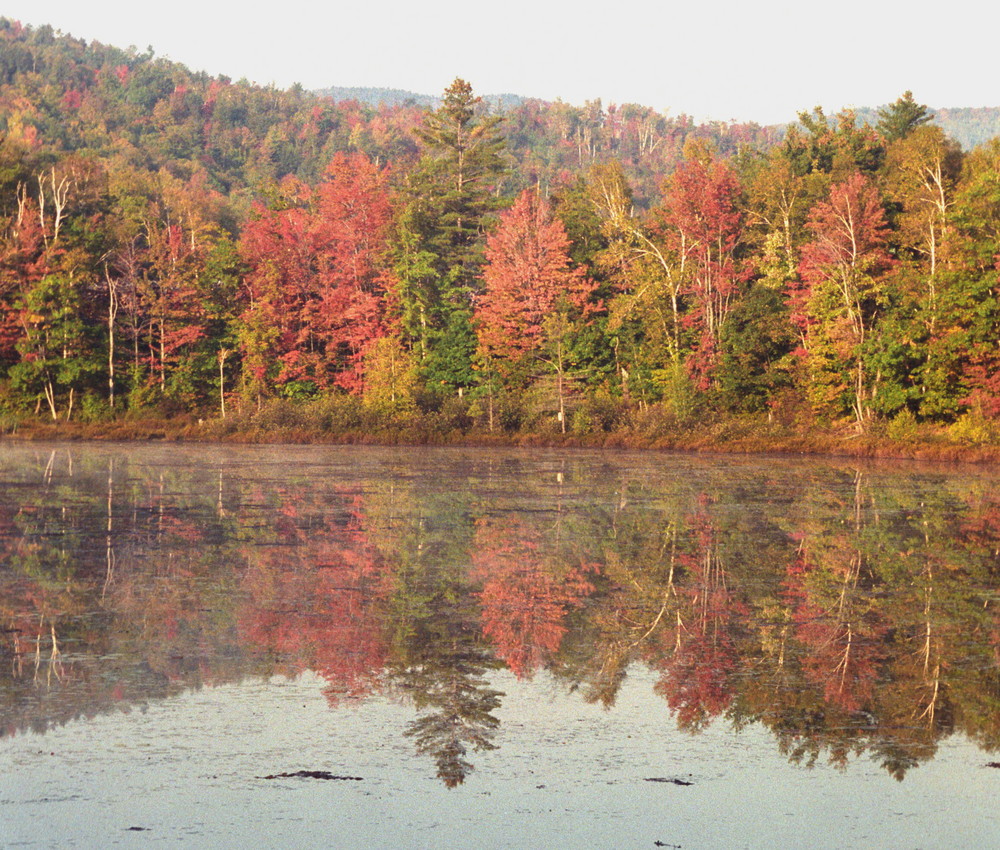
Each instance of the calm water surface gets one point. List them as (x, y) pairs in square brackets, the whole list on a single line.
[(494, 649)]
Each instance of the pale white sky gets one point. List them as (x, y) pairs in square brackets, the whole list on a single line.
[(761, 61)]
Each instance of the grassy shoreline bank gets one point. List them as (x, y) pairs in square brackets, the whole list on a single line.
[(731, 436)]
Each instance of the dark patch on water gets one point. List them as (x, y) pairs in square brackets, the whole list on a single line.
[(312, 774)]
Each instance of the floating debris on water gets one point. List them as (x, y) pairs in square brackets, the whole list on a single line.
[(312, 774)]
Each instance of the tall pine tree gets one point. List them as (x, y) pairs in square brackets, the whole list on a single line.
[(452, 191), (899, 119)]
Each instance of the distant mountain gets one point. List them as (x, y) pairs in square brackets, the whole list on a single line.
[(378, 96), (505, 101), (401, 97), (969, 126)]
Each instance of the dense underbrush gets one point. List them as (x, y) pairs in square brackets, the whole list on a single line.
[(346, 420)]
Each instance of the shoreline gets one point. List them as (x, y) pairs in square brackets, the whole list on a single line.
[(789, 443)]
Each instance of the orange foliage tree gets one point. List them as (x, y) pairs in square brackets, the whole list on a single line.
[(317, 281)]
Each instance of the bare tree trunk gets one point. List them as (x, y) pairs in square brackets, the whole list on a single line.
[(112, 314), (163, 358), (559, 372), (489, 396), (50, 397), (223, 354)]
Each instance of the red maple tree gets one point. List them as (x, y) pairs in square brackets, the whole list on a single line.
[(528, 274), (318, 275), (701, 221)]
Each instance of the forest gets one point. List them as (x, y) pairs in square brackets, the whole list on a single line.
[(246, 262)]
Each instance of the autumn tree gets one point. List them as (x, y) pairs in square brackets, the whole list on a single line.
[(964, 350), (593, 347), (316, 282), (529, 282), (165, 307), (55, 351), (777, 200), (47, 277), (837, 303), (701, 222), (168, 293), (23, 263), (390, 384), (645, 308), (921, 173)]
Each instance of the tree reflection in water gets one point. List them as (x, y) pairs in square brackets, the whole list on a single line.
[(850, 611)]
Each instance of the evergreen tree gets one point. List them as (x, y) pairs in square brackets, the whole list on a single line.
[(452, 192), (899, 119)]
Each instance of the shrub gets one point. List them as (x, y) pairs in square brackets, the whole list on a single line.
[(903, 428), (974, 429), (454, 414), (93, 408), (277, 413), (656, 420), (605, 411), (337, 413), (581, 422), (680, 396)]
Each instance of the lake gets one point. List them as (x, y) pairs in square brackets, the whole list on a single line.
[(374, 647)]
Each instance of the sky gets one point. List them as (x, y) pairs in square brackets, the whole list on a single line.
[(763, 61)]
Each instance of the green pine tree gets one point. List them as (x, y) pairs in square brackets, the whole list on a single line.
[(899, 119), (452, 193)]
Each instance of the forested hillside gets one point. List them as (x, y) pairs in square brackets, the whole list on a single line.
[(175, 244), (970, 127), (378, 96)]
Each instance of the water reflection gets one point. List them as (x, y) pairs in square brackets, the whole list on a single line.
[(851, 611)]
